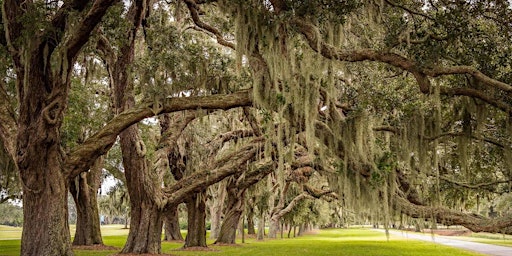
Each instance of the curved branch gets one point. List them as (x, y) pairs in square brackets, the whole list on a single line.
[(198, 181), (421, 74), (82, 33), (194, 13), (451, 217), (474, 186), (81, 158)]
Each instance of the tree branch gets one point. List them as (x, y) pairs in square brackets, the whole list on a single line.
[(198, 181), (474, 186), (83, 31), (81, 158), (450, 217), (194, 13), (421, 74)]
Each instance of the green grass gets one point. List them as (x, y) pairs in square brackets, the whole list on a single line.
[(346, 242)]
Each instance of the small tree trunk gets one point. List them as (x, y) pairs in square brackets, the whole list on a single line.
[(261, 227), (250, 221), (85, 197), (196, 207), (301, 229), (216, 210), (273, 229), (172, 225)]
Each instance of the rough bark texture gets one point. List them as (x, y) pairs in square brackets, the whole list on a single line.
[(234, 209), (172, 225), (216, 210), (250, 221), (261, 227), (145, 216), (236, 188), (84, 191), (196, 208), (43, 66)]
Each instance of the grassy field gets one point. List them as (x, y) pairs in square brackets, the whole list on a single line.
[(345, 242)]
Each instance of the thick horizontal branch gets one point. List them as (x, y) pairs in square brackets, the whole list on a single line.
[(198, 181), (451, 217), (81, 158)]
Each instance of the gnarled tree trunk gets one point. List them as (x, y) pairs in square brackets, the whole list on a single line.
[(84, 191), (234, 209), (172, 225), (216, 210), (146, 219), (196, 207)]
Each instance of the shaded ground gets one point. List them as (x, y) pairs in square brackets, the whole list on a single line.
[(487, 249)]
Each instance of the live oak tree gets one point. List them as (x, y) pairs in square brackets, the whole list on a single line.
[(396, 92), (43, 58)]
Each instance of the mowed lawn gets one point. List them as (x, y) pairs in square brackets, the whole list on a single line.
[(347, 242)]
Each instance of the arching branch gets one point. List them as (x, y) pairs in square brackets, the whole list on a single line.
[(451, 217), (421, 74), (81, 158), (194, 13)]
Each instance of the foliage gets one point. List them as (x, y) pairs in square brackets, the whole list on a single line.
[(11, 215)]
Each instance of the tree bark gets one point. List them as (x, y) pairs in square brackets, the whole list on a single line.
[(84, 191), (145, 216), (250, 221), (234, 209), (216, 210), (172, 225), (196, 207), (236, 187), (261, 227)]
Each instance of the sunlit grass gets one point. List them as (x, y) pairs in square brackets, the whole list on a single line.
[(8, 232), (346, 242)]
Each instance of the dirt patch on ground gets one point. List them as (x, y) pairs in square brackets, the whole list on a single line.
[(132, 254), (450, 232), (197, 248), (446, 232), (95, 247), (228, 245)]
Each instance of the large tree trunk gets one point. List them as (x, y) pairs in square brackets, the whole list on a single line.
[(84, 191), (45, 210), (39, 159), (172, 225), (234, 207), (196, 207), (146, 219)]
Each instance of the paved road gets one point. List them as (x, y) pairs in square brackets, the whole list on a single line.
[(488, 249)]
